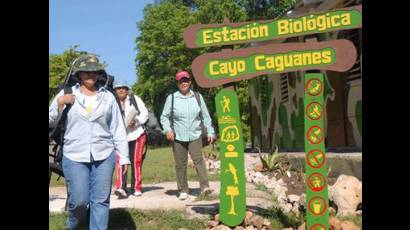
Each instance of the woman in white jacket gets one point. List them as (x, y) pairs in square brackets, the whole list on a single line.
[(137, 115)]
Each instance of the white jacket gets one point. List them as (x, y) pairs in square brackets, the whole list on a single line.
[(133, 134)]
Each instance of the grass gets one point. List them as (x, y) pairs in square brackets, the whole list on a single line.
[(135, 219), (279, 219), (159, 166), (355, 219)]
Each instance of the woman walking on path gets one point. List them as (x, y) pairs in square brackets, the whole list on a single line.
[(95, 131), (181, 121)]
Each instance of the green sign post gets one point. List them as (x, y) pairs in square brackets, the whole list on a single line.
[(316, 189), (232, 205)]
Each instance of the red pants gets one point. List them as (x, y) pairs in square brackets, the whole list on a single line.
[(136, 149)]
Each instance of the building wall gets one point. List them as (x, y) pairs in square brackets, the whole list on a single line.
[(277, 109)]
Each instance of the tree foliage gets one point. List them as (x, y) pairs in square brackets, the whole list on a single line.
[(162, 51), (58, 66)]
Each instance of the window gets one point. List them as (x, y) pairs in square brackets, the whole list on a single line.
[(284, 88)]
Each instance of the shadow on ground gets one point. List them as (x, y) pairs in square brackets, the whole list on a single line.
[(192, 191), (121, 219), (150, 188)]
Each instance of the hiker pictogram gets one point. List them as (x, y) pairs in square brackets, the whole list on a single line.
[(230, 134), (314, 87), (225, 104), (316, 182), (314, 135), (314, 111), (315, 158)]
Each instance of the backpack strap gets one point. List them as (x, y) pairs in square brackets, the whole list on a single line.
[(134, 103), (171, 117), (198, 99), (61, 125)]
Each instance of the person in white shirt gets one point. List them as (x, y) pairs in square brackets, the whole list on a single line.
[(137, 138)]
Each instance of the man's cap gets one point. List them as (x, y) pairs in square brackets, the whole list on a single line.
[(87, 63), (182, 74), (121, 83)]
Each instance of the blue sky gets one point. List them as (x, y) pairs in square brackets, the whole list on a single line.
[(105, 27)]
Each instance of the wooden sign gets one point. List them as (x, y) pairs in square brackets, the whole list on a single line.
[(215, 69), (204, 35)]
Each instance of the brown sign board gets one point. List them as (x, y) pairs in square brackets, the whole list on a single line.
[(216, 69), (206, 35)]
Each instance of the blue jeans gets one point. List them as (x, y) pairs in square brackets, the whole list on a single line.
[(89, 187)]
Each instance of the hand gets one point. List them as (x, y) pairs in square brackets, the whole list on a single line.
[(170, 136), (211, 139), (125, 170), (66, 99), (132, 124)]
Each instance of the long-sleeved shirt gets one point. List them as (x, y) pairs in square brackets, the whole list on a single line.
[(186, 117), (134, 133), (97, 133)]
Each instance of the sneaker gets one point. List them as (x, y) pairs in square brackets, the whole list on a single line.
[(183, 196), (120, 193), (207, 191), (137, 193)]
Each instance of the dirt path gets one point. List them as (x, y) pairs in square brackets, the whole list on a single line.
[(164, 196)]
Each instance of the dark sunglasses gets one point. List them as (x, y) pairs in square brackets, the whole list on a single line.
[(182, 80), (122, 88)]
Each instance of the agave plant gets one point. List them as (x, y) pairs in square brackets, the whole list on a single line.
[(272, 162)]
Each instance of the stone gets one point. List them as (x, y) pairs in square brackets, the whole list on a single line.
[(348, 225), (302, 227), (266, 222), (257, 221), (359, 212), (346, 193), (217, 217), (239, 228), (249, 176), (250, 227), (221, 227), (302, 200), (293, 198), (259, 167), (287, 208), (271, 183), (212, 223), (332, 211), (334, 223), (295, 209), (287, 228), (248, 216)]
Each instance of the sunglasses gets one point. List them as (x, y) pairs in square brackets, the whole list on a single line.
[(122, 88), (182, 80)]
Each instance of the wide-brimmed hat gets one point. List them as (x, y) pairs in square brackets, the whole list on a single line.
[(87, 63), (121, 83)]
